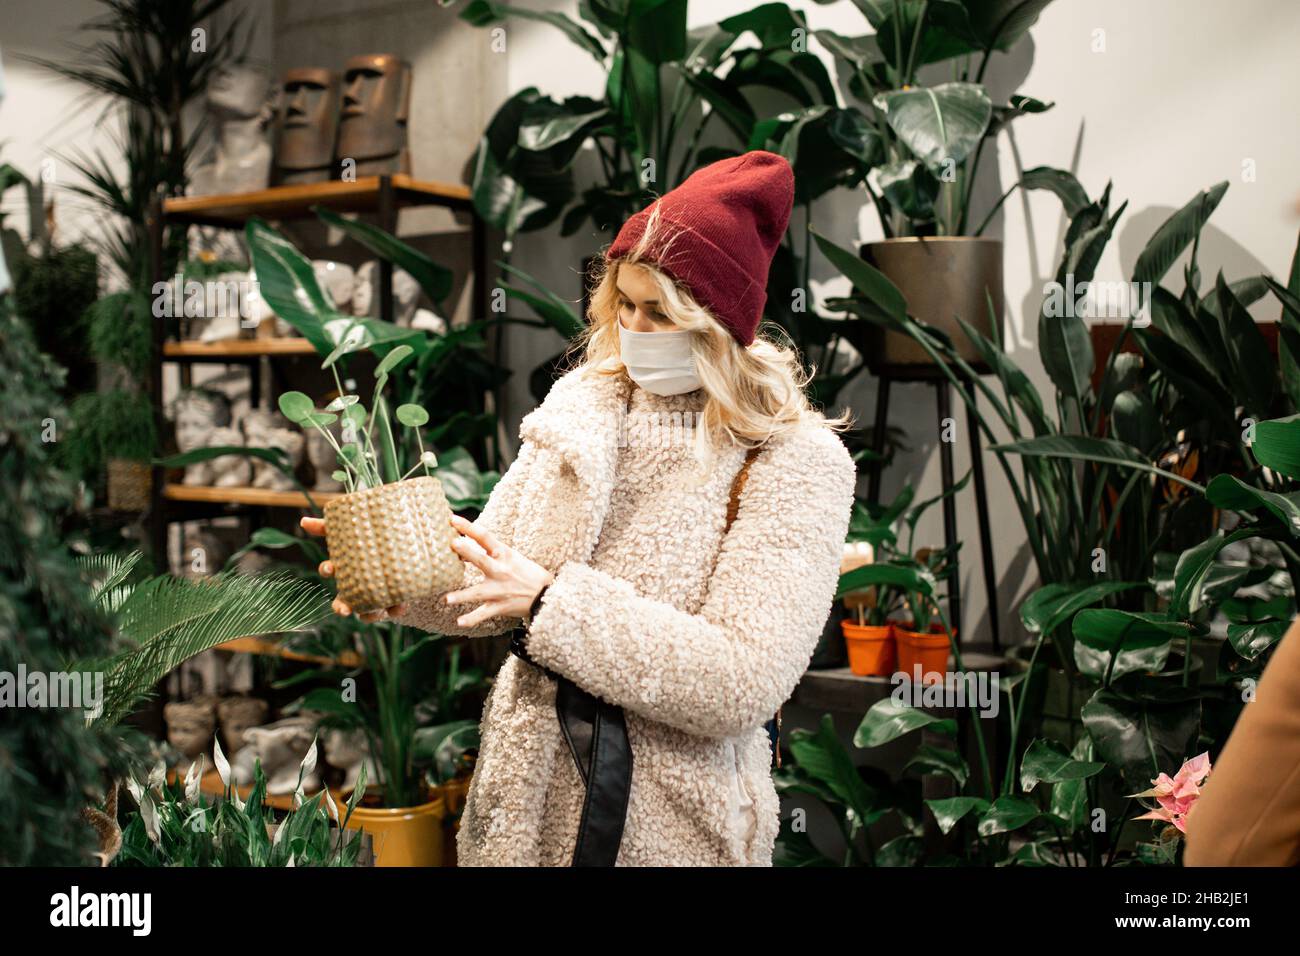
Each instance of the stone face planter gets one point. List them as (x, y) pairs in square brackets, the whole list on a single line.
[(392, 544), (939, 277)]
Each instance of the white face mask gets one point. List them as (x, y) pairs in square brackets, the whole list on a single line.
[(660, 362)]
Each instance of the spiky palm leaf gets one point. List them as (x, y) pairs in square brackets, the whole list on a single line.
[(107, 575), (167, 620)]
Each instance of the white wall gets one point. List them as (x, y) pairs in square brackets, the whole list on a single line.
[(1184, 93)]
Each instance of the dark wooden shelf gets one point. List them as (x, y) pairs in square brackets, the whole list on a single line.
[(295, 202)]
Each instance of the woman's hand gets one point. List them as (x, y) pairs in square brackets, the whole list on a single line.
[(510, 581), (316, 526)]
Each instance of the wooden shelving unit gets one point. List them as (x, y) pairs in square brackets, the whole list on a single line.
[(382, 197)]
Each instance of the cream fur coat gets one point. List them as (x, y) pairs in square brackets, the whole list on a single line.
[(698, 638)]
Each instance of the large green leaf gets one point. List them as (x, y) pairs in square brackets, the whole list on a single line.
[(1000, 24), (1052, 605), (482, 13), (949, 812), (1277, 445), (1104, 451), (1060, 182), (1193, 571), (941, 124), (908, 577), (823, 757), (888, 720), (1007, 814), (1142, 737), (1137, 642), (1227, 491), (1066, 349), (434, 279), (878, 290), (1253, 378), (1175, 235), (1069, 801), (1047, 762)]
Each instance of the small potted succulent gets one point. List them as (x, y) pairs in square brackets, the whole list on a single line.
[(389, 536)]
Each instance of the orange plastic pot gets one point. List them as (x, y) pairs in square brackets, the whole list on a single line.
[(926, 650), (871, 648)]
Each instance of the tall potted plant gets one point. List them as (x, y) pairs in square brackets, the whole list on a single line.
[(929, 139)]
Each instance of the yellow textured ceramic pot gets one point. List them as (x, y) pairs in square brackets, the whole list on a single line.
[(404, 836), (392, 544)]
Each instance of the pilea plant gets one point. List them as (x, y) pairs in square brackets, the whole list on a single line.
[(366, 459)]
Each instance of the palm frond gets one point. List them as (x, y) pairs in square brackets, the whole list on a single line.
[(167, 620), (107, 576)]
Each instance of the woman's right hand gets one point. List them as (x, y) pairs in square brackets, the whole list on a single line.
[(316, 526)]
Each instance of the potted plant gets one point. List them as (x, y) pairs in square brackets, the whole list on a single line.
[(927, 140), (902, 581), (390, 535)]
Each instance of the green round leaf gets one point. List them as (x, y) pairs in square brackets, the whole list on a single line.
[(412, 416), (296, 406)]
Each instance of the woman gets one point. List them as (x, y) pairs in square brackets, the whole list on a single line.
[(608, 542)]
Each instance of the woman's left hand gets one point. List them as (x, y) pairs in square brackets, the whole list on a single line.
[(510, 581)]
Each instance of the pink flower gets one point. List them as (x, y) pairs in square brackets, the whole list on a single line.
[(1177, 795)]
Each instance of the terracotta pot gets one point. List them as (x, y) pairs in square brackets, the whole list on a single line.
[(392, 544), (939, 276), (927, 650), (404, 836), (872, 651), (129, 484)]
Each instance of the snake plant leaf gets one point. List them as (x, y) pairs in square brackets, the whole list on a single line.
[(950, 811), (941, 124), (1109, 643), (889, 719), (1175, 235), (412, 416), (1047, 762)]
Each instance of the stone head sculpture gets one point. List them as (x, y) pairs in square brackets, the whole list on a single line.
[(376, 103), (238, 90), (309, 117), (198, 413)]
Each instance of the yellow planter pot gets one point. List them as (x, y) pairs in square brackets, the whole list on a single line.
[(404, 836)]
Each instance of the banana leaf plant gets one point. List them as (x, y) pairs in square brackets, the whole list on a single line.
[(927, 139), (665, 86)]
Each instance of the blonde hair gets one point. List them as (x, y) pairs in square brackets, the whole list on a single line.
[(754, 393)]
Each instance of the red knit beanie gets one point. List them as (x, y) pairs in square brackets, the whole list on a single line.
[(717, 234)]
